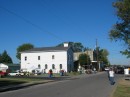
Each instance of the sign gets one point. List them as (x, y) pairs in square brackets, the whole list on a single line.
[(126, 71)]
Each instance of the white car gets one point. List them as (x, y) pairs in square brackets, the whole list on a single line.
[(107, 68), (15, 74)]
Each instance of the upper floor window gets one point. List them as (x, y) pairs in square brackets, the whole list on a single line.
[(38, 57), (60, 66), (45, 66), (25, 58), (53, 57)]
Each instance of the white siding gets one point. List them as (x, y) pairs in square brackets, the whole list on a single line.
[(32, 61)]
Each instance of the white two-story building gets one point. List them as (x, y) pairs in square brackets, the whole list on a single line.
[(46, 58)]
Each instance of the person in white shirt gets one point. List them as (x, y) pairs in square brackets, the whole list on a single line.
[(111, 75), (94, 70)]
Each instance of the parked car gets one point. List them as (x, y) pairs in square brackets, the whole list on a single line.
[(37, 71), (119, 70), (15, 74), (107, 68)]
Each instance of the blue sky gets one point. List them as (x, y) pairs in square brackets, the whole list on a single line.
[(46, 23)]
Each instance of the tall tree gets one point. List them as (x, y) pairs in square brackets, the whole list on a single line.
[(84, 60), (76, 46), (23, 47), (104, 56), (5, 58), (86, 49), (101, 55), (121, 30)]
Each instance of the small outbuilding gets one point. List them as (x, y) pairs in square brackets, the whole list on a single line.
[(3, 67)]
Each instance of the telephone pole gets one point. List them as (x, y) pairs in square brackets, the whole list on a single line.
[(97, 52)]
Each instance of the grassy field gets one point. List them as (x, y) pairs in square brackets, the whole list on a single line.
[(17, 81), (34, 79), (122, 89), (7, 82)]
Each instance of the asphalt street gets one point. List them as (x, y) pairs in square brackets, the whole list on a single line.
[(93, 85)]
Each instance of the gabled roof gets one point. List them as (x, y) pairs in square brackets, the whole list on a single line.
[(47, 49)]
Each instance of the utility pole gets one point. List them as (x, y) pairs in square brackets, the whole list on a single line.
[(87, 59), (97, 52)]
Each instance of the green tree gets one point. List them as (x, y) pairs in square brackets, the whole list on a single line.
[(104, 56), (86, 49), (101, 55), (23, 47), (76, 46), (121, 30), (5, 58), (84, 60)]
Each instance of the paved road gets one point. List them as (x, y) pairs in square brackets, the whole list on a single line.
[(94, 85)]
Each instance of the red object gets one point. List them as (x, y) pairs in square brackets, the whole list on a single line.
[(3, 73)]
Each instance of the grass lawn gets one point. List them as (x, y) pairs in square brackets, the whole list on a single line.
[(15, 81), (122, 89), (20, 80), (8, 81)]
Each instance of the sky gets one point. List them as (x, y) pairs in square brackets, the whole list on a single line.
[(46, 23)]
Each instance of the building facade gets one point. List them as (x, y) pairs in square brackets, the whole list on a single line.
[(93, 57), (46, 58)]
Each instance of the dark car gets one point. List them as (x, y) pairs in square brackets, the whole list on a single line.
[(119, 70)]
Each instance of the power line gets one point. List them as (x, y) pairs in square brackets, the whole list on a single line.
[(64, 18), (29, 22)]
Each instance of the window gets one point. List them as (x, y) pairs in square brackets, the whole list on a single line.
[(45, 66), (38, 57), (39, 66), (60, 66), (53, 66), (25, 58), (53, 57)]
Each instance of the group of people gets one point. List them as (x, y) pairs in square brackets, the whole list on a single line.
[(111, 76), (50, 73)]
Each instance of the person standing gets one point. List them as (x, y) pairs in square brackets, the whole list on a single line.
[(111, 76), (50, 73), (94, 70)]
